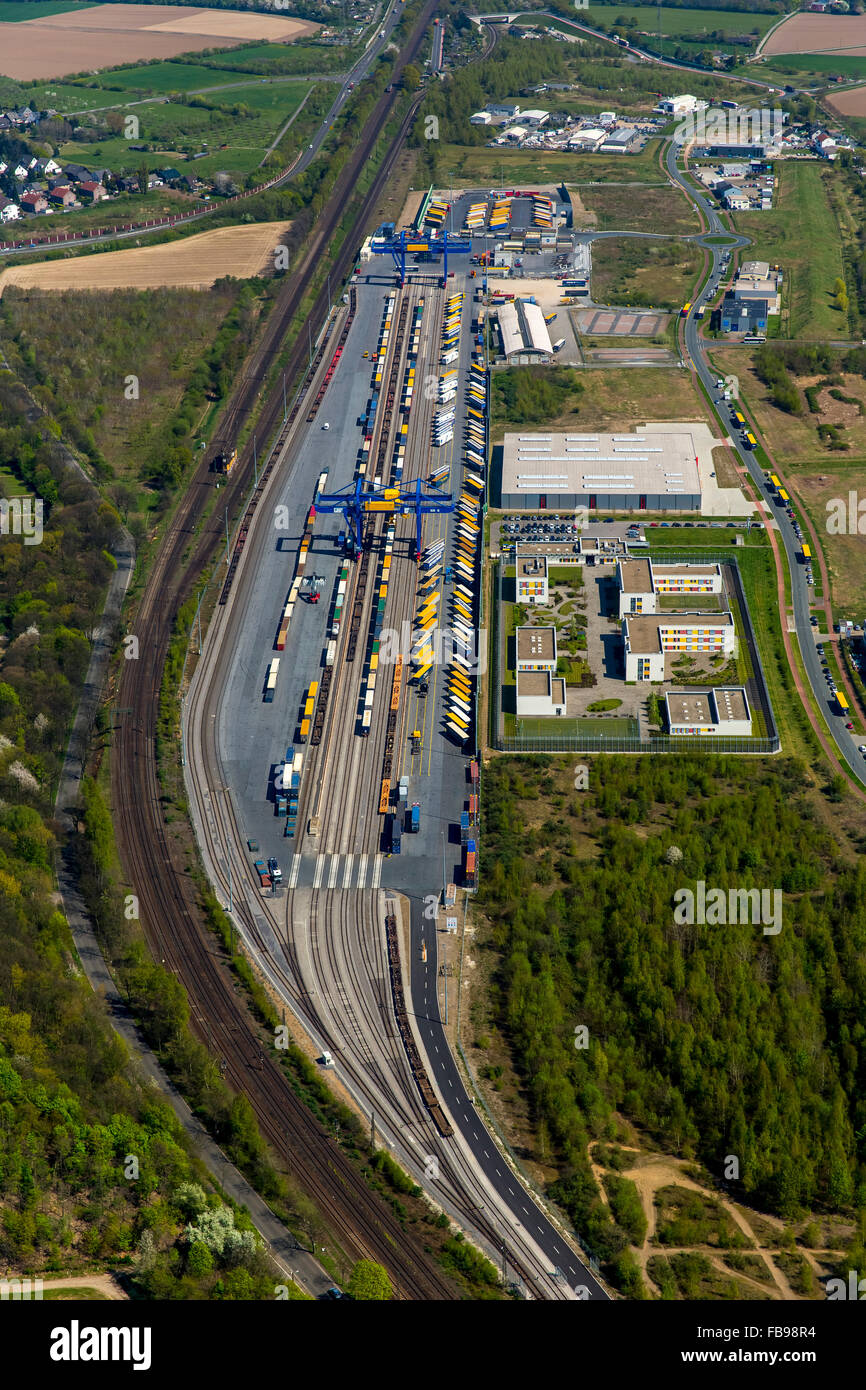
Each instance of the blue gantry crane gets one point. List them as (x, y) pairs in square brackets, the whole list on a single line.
[(397, 247), (355, 503)]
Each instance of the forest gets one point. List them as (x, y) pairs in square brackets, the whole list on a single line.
[(72, 1109), (710, 1041)]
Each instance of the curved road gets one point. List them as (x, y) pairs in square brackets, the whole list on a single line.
[(696, 354)]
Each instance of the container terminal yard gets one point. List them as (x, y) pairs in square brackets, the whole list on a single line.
[(330, 740)]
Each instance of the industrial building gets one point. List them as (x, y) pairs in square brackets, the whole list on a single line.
[(531, 576), (649, 639), (522, 330), (540, 695), (641, 581), (616, 472), (620, 140), (680, 106), (536, 649), (722, 710)]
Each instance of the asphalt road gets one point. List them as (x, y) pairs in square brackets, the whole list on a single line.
[(800, 591)]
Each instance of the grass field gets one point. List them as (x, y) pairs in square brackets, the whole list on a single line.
[(616, 397), (798, 64), (158, 78), (483, 167), (13, 12), (662, 209), (680, 23), (659, 274), (125, 208), (801, 234), (794, 438)]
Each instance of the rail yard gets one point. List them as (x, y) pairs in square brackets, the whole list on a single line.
[(358, 570)]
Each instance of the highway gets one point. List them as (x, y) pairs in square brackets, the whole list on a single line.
[(321, 941), (696, 358)]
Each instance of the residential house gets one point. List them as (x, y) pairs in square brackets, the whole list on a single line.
[(91, 192), (169, 176), (76, 173), (33, 202), (21, 172), (128, 185), (9, 211), (62, 197)]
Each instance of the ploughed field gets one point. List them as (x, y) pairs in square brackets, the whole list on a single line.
[(819, 33), (108, 35)]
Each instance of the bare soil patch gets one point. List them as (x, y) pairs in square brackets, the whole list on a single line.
[(108, 35), (816, 33), (194, 263)]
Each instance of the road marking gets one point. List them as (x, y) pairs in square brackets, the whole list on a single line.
[(335, 869), (320, 868), (362, 870), (295, 871), (347, 871), (377, 871)]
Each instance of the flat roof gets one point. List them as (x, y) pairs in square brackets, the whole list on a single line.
[(533, 683), (642, 632), (531, 566), (683, 569), (718, 705), (689, 707), (636, 576), (557, 689), (731, 703), (536, 643), (652, 463)]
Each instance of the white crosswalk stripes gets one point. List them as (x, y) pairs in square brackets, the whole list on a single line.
[(338, 871), (320, 868)]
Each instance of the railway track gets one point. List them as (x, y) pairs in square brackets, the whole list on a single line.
[(153, 860)]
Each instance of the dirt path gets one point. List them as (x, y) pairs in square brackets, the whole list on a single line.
[(668, 1172), (105, 1284)]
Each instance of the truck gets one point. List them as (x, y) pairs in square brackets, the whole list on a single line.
[(396, 834), (464, 827), (469, 859), (684, 311), (313, 827), (415, 817), (404, 789), (559, 345), (282, 805)]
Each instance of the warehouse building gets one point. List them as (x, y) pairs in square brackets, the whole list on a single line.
[(531, 573), (680, 106), (640, 582), (536, 649), (649, 639), (615, 472), (522, 330), (723, 710), (619, 141), (540, 695)]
